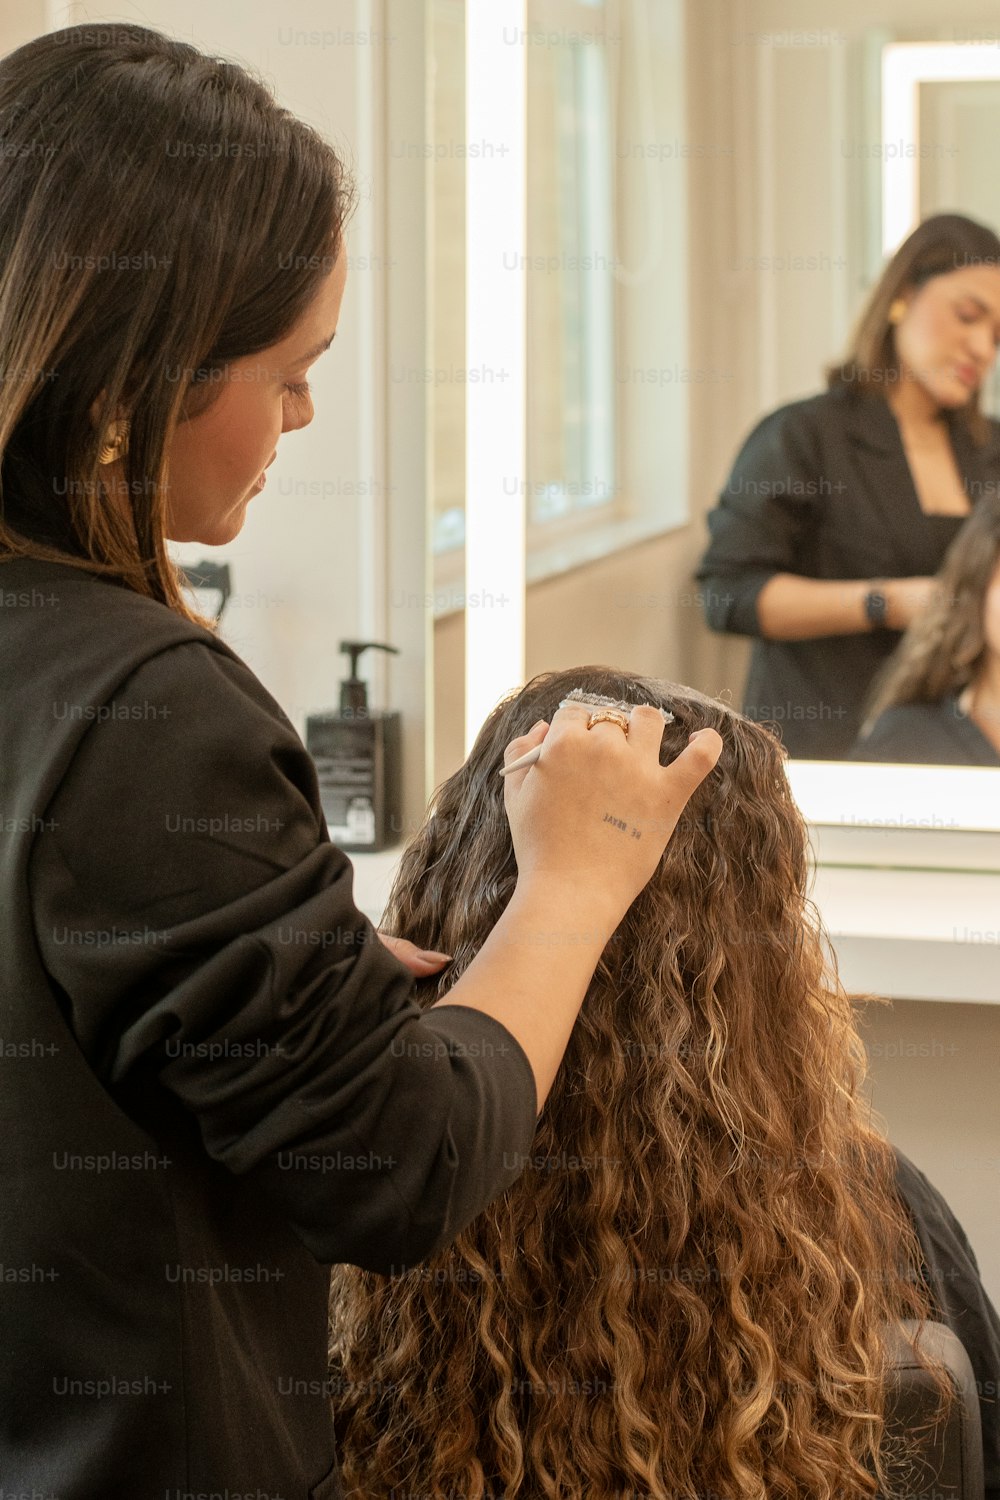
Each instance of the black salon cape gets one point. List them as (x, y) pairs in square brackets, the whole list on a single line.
[(822, 488), (213, 1081), (926, 734), (951, 1275)]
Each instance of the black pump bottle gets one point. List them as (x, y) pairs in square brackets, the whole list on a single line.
[(357, 752)]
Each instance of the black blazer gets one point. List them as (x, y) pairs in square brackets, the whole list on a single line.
[(213, 1081), (822, 488)]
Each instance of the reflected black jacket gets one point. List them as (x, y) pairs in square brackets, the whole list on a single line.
[(822, 488), (936, 734), (213, 1081)]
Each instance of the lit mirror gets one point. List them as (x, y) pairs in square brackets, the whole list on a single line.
[(711, 195)]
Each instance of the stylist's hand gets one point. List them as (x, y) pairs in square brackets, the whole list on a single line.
[(596, 810)]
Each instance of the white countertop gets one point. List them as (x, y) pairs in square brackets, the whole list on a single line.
[(913, 934), (917, 933)]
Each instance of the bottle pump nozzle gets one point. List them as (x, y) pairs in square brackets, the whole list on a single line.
[(354, 690)]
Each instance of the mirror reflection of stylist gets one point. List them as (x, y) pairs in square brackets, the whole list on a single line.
[(840, 507)]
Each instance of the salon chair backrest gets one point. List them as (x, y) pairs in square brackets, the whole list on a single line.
[(947, 1460)]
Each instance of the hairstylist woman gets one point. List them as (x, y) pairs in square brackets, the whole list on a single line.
[(840, 508), (214, 1079)]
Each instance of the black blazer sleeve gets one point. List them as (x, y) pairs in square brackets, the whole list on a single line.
[(200, 930), (762, 519)]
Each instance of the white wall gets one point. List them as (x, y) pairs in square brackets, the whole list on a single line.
[(935, 1077), (20, 22), (311, 565)]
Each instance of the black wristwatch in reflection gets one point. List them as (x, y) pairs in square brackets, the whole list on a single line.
[(876, 607)]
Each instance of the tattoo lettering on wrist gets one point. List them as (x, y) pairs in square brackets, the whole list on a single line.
[(619, 823)]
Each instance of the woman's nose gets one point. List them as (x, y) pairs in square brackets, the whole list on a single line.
[(297, 414)]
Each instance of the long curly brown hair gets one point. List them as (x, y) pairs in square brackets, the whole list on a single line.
[(685, 1294)]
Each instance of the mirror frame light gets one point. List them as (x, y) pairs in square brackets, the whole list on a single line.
[(918, 797), (905, 66), (495, 345)]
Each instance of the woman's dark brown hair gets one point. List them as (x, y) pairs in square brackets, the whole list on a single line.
[(945, 648), (941, 243), (687, 1291), (160, 215)]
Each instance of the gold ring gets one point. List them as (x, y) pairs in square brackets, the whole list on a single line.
[(610, 716)]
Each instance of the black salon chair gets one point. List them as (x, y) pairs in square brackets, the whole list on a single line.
[(946, 1461)]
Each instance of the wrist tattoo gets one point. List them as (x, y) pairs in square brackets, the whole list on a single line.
[(620, 823)]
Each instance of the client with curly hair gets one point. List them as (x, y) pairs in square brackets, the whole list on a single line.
[(687, 1291)]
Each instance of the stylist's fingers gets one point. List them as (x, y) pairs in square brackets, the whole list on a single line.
[(601, 807), (645, 729), (521, 746), (684, 776), (420, 961), (681, 778)]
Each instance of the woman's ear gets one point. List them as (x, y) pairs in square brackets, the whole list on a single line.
[(898, 308)]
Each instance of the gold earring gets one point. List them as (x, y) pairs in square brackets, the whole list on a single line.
[(897, 310), (118, 445)]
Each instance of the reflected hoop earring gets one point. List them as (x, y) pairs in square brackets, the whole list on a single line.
[(897, 310), (117, 447)]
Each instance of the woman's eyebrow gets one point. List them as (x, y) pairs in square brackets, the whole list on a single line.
[(319, 349), (982, 306)]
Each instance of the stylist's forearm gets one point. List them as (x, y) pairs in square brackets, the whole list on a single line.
[(532, 972), (790, 608)]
